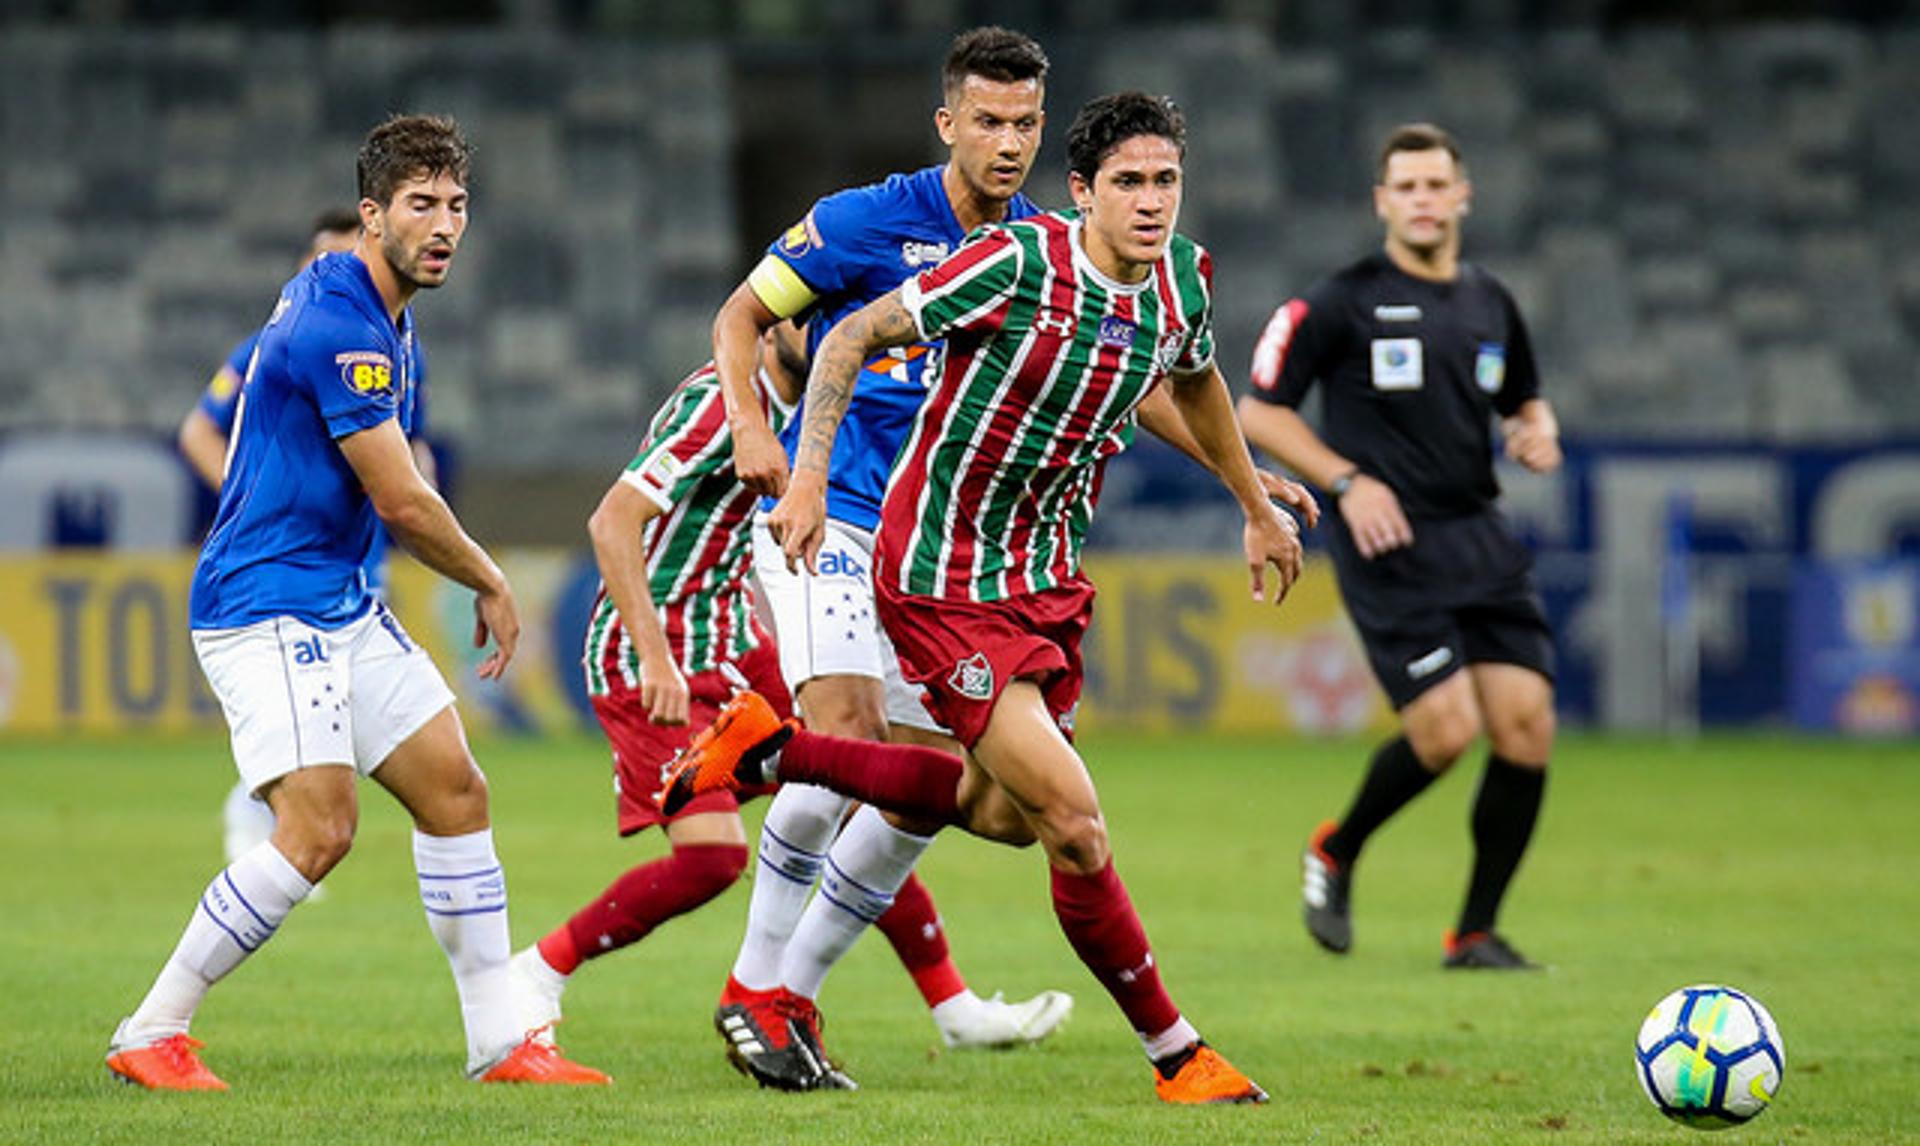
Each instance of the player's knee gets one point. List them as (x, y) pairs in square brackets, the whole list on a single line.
[(1076, 840), (848, 720), (1525, 736), (314, 845), (843, 712), (459, 807), (1445, 737)]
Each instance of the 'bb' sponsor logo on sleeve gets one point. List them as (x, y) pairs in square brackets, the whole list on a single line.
[(365, 371)]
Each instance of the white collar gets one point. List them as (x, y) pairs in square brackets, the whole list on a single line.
[(1085, 266)]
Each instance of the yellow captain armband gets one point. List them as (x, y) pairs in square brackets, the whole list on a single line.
[(780, 287)]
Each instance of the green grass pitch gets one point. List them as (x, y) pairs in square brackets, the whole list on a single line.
[(1785, 867)]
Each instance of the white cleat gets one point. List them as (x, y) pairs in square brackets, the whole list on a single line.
[(998, 1024), (536, 994)]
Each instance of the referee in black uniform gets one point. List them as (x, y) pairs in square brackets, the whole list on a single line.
[(1417, 352)]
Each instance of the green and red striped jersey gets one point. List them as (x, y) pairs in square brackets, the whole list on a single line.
[(1046, 359), (699, 549)]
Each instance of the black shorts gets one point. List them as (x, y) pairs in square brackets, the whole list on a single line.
[(1461, 594)]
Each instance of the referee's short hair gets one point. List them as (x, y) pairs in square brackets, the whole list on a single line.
[(1417, 137)]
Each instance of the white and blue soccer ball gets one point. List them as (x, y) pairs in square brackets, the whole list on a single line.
[(1710, 1056)]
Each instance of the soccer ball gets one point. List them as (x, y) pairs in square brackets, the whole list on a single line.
[(1710, 1056)]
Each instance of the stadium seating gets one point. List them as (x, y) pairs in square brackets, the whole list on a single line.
[(1711, 231)]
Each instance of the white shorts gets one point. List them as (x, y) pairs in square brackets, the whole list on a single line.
[(825, 622), (296, 696)]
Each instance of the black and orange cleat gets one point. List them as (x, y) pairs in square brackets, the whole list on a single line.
[(728, 754), (1484, 951), (1324, 889)]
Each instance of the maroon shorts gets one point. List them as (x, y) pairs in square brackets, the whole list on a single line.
[(641, 747), (965, 652)]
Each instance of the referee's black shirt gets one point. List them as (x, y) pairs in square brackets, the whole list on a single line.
[(1413, 370)]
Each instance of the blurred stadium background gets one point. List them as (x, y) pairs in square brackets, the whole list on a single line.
[(1707, 212)]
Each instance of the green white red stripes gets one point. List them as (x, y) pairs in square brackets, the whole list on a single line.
[(1046, 361), (698, 549)]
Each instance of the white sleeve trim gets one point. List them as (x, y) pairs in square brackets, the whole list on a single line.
[(638, 480)]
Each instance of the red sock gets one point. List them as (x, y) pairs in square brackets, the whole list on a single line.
[(641, 900), (913, 927), (904, 778), (1101, 924)]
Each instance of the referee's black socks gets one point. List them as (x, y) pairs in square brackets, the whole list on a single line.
[(1503, 817), (1393, 779)]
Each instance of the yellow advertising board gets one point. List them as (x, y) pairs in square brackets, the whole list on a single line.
[(1178, 643), (98, 643)]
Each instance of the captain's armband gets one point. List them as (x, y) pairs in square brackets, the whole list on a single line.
[(780, 287)]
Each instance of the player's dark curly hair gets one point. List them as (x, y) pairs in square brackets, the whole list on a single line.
[(412, 147), (1106, 123), (992, 53), (1416, 137)]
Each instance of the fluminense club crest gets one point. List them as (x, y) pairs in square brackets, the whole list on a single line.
[(973, 678)]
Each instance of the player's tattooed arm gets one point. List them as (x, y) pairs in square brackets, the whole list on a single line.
[(799, 521), (881, 324)]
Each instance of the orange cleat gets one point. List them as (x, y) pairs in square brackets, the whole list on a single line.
[(532, 1060), (1206, 1077), (728, 753), (165, 1064)]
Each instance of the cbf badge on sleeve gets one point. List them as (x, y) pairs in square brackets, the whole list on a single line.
[(1396, 364), (1490, 367)]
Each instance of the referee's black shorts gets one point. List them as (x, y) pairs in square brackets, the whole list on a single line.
[(1461, 594)]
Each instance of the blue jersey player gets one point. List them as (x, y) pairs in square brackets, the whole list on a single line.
[(851, 248), (203, 439), (319, 682)]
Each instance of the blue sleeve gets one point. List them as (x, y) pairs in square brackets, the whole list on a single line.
[(220, 401), (242, 356), (827, 249), (347, 365)]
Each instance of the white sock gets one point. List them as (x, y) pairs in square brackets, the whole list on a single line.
[(793, 842), (1170, 1041), (247, 821), (865, 866), (464, 891), (239, 911)]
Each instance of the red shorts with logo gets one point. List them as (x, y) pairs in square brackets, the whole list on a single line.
[(966, 652), (641, 747)]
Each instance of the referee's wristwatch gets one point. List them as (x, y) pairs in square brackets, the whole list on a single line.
[(1339, 486)]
